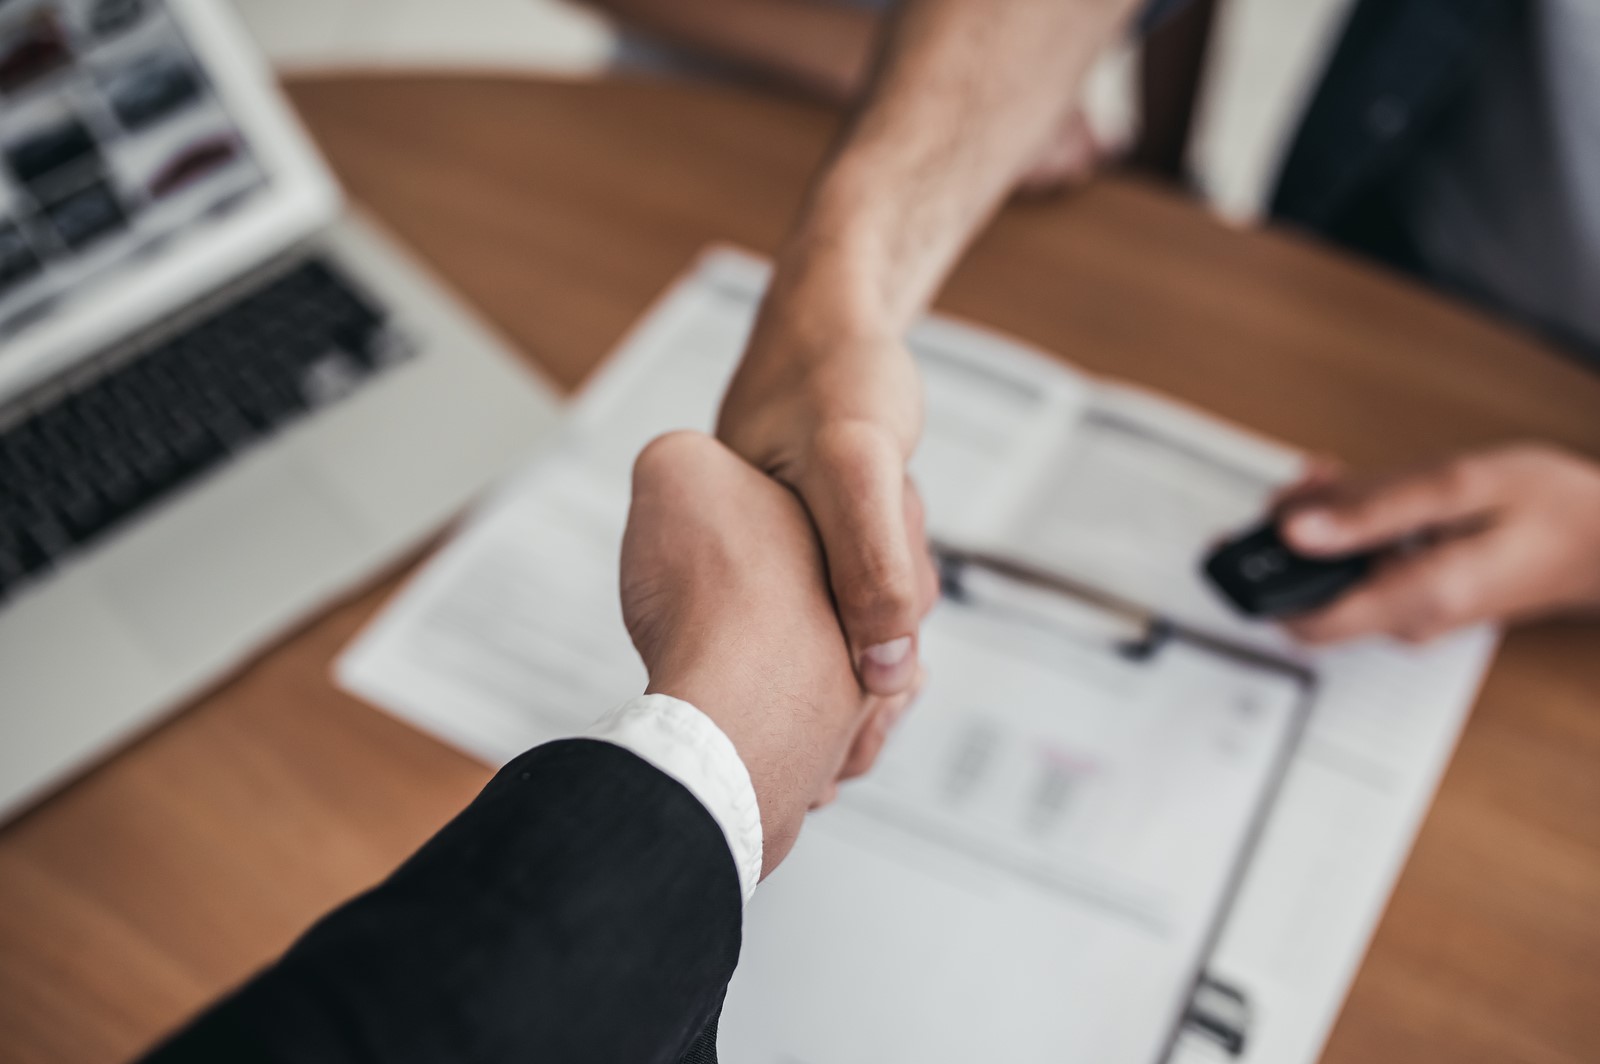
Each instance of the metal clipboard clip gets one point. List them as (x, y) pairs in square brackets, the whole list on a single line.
[(1066, 606), (1048, 601)]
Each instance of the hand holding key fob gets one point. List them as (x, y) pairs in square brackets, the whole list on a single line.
[(1264, 577)]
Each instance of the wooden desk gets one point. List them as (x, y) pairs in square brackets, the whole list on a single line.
[(171, 872)]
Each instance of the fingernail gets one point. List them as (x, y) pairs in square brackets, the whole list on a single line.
[(1314, 529), (888, 655), (886, 667)]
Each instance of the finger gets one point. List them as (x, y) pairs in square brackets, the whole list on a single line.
[(883, 716), (917, 534), (827, 797), (1422, 596), (868, 745), (660, 473), (1354, 517), (875, 732), (854, 487)]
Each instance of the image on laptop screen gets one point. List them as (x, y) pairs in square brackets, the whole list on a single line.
[(113, 147)]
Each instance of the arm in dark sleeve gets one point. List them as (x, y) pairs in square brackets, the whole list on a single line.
[(585, 907)]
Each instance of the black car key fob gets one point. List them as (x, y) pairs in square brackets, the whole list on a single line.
[(1261, 575)]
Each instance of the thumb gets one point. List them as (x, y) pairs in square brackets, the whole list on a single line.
[(855, 488), (1362, 516)]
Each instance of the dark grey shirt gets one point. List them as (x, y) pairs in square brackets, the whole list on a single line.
[(1507, 204)]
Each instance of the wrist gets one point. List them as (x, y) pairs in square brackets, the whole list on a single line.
[(834, 276), (819, 306), (713, 692), (783, 743), (760, 722)]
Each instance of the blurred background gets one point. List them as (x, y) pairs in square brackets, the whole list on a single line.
[(1263, 59)]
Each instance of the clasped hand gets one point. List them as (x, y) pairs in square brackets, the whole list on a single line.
[(1506, 534), (724, 594), (725, 575)]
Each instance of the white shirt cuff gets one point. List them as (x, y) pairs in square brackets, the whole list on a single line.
[(687, 745)]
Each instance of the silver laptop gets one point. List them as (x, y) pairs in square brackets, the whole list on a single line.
[(223, 400)]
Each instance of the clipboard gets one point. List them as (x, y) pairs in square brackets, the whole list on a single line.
[(1020, 452), (1218, 1012), (921, 830)]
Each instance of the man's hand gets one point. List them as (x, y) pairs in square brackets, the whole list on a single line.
[(963, 98), (838, 426), (1507, 534), (724, 594)]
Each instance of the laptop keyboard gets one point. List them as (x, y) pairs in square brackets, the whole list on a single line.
[(111, 447)]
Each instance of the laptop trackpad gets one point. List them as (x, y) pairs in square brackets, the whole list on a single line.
[(228, 565)]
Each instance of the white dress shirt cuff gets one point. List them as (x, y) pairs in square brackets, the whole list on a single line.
[(687, 745)]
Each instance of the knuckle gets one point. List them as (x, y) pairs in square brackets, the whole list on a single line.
[(1364, 515), (669, 450), (877, 596), (1366, 511), (856, 449)]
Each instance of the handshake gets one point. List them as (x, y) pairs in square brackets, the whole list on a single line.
[(725, 594), (726, 585), (585, 907)]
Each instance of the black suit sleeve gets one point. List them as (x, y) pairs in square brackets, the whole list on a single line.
[(584, 907)]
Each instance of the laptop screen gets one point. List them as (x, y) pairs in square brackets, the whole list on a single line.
[(114, 148)]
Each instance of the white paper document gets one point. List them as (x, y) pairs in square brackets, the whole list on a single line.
[(1122, 825)]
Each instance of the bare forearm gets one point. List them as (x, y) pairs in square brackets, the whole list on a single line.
[(827, 398), (964, 95)]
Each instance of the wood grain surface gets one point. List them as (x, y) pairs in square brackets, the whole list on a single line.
[(170, 872)]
